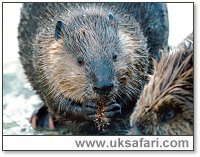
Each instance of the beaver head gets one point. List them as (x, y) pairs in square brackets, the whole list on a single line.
[(90, 52), (166, 104)]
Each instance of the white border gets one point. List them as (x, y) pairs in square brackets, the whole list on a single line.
[(118, 142)]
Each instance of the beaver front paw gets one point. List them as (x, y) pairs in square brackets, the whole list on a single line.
[(89, 110), (41, 118), (112, 110)]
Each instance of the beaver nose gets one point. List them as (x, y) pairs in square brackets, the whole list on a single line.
[(103, 88)]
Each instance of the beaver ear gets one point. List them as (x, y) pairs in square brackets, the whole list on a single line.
[(59, 30)]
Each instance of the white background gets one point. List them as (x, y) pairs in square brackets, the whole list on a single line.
[(180, 26), (118, 142)]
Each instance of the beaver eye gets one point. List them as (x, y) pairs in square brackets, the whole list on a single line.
[(168, 115), (80, 60), (114, 57)]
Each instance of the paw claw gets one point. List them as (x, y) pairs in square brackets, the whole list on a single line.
[(51, 123), (33, 121), (112, 110), (89, 110)]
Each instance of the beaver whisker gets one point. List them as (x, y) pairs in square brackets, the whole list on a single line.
[(140, 57), (126, 92), (119, 97), (132, 90)]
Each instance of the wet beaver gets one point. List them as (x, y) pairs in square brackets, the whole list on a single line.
[(166, 104), (88, 61)]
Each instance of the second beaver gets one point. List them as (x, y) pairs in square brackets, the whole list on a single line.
[(166, 104), (80, 56)]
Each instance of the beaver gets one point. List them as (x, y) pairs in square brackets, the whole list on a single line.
[(166, 104), (88, 61)]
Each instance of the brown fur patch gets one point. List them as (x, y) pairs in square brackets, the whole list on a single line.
[(166, 104), (89, 34), (66, 76)]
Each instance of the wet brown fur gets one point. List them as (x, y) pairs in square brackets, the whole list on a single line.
[(64, 79), (51, 65), (170, 89), (70, 79)]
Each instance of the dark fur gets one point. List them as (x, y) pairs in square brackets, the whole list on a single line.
[(49, 52)]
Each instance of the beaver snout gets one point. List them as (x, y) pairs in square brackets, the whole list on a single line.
[(102, 75), (103, 87)]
